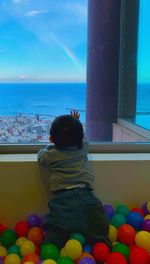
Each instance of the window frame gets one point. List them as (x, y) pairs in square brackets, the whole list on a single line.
[(127, 80)]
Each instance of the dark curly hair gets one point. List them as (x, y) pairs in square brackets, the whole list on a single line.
[(66, 131)]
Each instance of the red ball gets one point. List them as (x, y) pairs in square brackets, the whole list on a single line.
[(138, 210), (21, 228), (36, 235), (126, 234), (100, 251), (116, 258), (31, 257), (139, 255)]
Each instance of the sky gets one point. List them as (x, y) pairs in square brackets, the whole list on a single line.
[(144, 42), (43, 41)]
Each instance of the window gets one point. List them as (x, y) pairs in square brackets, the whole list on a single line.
[(67, 59), (42, 66), (143, 90)]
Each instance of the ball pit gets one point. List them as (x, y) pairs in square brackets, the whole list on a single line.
[(129, 232)]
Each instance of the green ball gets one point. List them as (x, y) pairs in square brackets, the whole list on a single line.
[(14, 249), (122, 210), (121, 248), (50, 251), (8, 238), (78, 237), (65, 260), (118, 220)]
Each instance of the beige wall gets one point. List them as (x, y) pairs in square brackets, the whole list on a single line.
[(120, 178)]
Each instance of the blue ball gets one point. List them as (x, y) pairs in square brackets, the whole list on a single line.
[(135, 219), (87, 248)]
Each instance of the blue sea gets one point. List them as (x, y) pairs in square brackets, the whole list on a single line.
[(46, 99), (53, 99)]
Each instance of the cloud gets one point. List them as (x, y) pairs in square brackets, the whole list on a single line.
[(35, 13)]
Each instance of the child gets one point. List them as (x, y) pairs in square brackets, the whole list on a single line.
[(74, 207)]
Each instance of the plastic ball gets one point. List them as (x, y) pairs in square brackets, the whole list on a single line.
[(144, 208), (20, 241), (109, 211), (142, 239), (12, 259), (148, 206), (78, 237), (100, 251), (146, 225), (27, 247), (122, 209), (63, 252), (34, 220), (8, 238), (28, 262), (31, 257), (87, 248), (49, 261), (73, 248), (138, 210), (126, 234), (139, 255), (87, 261), (85, 255), (135, 219), (113, 233), (116, 258), (50, 251), (65, 260), (2, 228), (36, 235), (3, 251), (14, 249), (147, 217), (121, 248), (21, 228), (118, 220)]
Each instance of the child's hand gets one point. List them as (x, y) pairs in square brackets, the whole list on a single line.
[(75, 114)]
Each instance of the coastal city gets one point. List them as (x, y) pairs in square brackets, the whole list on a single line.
[(25, 128)]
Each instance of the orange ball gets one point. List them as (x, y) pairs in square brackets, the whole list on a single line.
[(31, 257), (36, 235), (84, 255)]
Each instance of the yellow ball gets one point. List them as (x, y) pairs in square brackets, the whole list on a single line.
[(28, 262), (3, 251), (12, 259), (113, 233), (20, 241), (73, 248), (148, 206), (63, 252), (49, 261), (27, 247), (142, 239), (147, 217)]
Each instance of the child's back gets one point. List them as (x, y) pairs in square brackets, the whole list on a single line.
[(73, 208)]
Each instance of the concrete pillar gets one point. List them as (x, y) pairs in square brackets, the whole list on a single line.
[(102, 68)]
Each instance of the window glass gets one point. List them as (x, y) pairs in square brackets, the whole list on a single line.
[(143, 90), (43, 46)]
